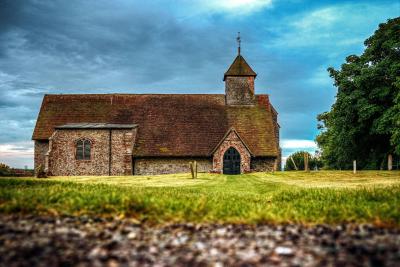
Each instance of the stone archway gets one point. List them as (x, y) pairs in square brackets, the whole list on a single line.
[(231, 140), (231, 161)]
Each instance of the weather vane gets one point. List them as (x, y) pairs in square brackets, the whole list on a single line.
[(238, 40)]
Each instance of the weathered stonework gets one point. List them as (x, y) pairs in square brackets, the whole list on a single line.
[(239, 90), (41, 148), (62, 159), (263, 164), (276, 126), (231, 140), (122, 144), (150, 166)]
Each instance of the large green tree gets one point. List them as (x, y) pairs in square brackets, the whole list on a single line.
[(364, 122)]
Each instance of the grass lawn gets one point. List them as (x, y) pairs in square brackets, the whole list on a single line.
[(281, 197)]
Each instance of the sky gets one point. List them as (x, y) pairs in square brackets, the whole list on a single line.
[(176, 46)]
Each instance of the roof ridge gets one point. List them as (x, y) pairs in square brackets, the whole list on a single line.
[(127, 94), (130, 94)]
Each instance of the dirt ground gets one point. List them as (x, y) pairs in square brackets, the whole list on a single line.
[(84, 241)]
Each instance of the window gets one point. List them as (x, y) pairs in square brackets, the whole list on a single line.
[(83, 150)]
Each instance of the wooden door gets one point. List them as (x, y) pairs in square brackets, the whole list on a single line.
[(231, 161)]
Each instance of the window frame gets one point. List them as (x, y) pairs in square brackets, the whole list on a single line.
[(86, 143)]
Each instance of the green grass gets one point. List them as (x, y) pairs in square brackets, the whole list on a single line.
[(281, 197)]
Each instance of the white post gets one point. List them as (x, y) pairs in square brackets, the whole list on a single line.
[(354, 166), (390, 162)]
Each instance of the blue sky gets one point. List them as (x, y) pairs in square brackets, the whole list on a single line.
[(176, 46)]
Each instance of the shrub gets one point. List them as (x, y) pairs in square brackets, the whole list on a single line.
[(298, 158), (5, 170)]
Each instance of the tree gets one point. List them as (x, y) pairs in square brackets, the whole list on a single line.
[(5, 170), (298, 159), (364, 122)]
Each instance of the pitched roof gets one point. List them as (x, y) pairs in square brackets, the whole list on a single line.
[(168, 125), (240, 67)]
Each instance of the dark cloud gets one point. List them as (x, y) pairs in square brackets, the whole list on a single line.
[(5, 103), (9, 14)]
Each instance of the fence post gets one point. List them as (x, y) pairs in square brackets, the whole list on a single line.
[(195, 169), (306, 162), (354, 166), (275, 165), (390, 162), (191, 169)]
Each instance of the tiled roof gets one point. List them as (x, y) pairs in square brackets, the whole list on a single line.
[(240, 67), (168, 125)]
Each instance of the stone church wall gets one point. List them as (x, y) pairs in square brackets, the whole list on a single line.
[(41, 148), (62, 159), (277, 137), (122, 144), (263, 164), (150, 166), (62, 162), (239, 90)]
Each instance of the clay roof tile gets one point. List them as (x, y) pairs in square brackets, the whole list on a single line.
[(168, 125), (239, 67)]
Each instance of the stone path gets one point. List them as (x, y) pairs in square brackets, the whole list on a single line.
[(82, 241)]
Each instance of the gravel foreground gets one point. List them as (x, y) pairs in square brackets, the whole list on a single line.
[(83, 241)]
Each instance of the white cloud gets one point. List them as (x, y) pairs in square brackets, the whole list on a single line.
[(17, 154), (337, 25), (234, 7), (321, 18), (17, 148), (298, 144)]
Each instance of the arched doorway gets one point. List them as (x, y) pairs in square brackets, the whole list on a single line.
[(231, 161)]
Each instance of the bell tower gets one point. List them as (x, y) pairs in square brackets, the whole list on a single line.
[(239, 81)]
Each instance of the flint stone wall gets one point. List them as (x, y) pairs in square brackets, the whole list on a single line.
[(151, 166), (239, 90), (62, 158), (277, 137), (263, 164), (58, 156), (41, 148)]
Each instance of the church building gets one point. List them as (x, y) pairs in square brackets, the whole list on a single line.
[(141, 134)]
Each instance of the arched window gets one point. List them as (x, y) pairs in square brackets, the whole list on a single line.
[(83, 149)]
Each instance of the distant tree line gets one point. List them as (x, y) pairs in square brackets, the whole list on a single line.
[(364, 122), (5, 170)]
